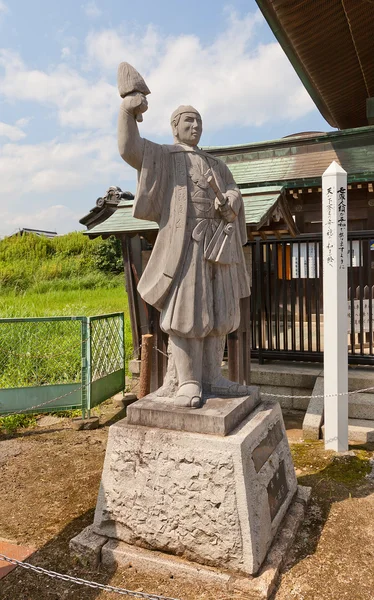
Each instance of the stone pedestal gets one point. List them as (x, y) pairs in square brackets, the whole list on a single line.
[(216, 497)]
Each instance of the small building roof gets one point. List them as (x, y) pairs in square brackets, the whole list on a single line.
[(259, 205), (39, 232)]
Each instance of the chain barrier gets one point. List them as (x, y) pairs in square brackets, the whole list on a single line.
[(319, 395), (25, 410), (160, 351), (79, 581)]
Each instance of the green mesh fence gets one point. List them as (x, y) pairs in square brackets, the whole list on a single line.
[(60, 361), (107, 352), (39, 352)]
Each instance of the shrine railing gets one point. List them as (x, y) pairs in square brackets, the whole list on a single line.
[(287, 298)]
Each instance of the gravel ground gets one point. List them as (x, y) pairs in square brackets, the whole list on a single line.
[(49, 481)]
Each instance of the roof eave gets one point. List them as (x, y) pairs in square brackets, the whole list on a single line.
[(278, 31)]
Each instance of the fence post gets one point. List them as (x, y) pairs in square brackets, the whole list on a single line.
[(122, 342), (86, 367), (259, 282), (334, 216)]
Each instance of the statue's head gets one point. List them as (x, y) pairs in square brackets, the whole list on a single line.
[(186, 125)]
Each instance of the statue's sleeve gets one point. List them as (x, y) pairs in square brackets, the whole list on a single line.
[(152, 181)]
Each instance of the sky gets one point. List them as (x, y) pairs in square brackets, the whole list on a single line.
[(59, 99)]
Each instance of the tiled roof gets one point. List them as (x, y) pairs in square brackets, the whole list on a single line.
[(257, 203), (301, 160)]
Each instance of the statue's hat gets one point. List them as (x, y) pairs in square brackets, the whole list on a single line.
[(183, 109), (129, 80)]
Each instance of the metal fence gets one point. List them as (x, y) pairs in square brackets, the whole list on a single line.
[(287, 298), (59, 363)]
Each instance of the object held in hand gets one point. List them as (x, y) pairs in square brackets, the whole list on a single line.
[(129, 82), (213, 184)]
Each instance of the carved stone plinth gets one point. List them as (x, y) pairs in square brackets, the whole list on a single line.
[(212, 499)]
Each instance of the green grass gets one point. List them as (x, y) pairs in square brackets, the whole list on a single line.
[(68, 302), (10, 424), (66, 276)]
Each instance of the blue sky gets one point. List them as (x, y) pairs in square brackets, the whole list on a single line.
[(59, 101)]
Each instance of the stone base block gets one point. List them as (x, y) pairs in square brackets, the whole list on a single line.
[(314, 415), (83, 424), (114, 552), (86, 546), (217, 501), (217, 416)]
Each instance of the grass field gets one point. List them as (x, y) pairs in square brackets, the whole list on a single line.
[(65, 276)]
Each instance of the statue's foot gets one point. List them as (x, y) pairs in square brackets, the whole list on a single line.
[(188, 395), (224, 387)]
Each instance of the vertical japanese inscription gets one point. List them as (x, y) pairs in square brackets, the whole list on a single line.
[(329, 224), (277, 490), (342, 225)]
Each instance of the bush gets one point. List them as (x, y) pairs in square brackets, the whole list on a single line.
[(70, 261), (108, 255)]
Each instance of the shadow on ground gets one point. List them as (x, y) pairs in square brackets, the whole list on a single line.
[(54, 555)]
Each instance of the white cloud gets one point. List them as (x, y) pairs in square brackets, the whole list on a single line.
[(65, 52), (92, 10), (54, 218), (232, 81), (79, 103), (12, 132), (3, 8), (23, 122), (107, 48), (52, 167)]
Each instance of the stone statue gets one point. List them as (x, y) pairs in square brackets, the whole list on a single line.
[(196, 274)]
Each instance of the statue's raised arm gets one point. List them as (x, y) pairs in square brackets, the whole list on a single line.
[(133, 90)]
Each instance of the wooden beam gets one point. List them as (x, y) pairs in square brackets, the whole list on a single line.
[(131, 291)]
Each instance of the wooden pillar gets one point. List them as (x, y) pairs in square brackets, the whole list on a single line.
[(131, 291)]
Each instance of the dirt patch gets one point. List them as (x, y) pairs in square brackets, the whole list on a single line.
[(48, 488)]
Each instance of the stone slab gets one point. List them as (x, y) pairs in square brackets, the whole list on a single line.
[(283, 375), (15, 551), (361, 406), (218, 416), (123, 400), (260, 587), (86, 546), (134, 367), (280, 392), (49, 421), (314, 415), (359, 431), (214, 500), (80, 424), (361, 378)]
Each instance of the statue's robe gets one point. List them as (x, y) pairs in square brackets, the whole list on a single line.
[(196, 275)]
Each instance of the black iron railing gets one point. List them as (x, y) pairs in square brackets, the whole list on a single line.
[(287, 298)]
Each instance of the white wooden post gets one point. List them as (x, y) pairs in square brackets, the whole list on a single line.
[(334, 218)]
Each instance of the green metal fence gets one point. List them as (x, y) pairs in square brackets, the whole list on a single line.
[(58, 363)]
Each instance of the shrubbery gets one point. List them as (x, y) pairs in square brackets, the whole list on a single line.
[(71, 261)]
